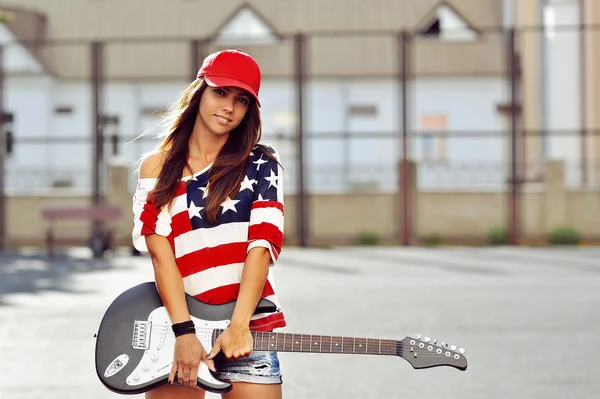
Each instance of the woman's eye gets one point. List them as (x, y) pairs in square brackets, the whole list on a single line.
[(243, 101), (219, 92)]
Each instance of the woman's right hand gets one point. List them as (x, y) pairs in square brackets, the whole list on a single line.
[(189, 352)]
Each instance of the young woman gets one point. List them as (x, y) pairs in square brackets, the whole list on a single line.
[(208, 208)]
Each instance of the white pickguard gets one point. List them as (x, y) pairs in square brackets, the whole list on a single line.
[(157, 360)]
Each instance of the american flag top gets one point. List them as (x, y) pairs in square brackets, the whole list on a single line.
[(209, 256)]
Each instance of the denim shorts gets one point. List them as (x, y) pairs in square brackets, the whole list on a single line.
[(261, 367)]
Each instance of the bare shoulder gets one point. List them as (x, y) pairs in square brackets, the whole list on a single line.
[(151, 165)]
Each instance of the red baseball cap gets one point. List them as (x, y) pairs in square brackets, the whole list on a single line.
[(232, 68)]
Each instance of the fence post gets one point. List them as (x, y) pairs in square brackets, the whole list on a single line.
[(583, 92), (514, 181), (2, 155), (98, 122), (301, 205), (403, 80), (197, 54)]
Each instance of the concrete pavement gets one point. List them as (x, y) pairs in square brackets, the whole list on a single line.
[(528, 318)]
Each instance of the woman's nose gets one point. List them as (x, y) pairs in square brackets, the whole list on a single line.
[(228, 103)]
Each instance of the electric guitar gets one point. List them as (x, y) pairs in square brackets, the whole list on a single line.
[(135, 342)]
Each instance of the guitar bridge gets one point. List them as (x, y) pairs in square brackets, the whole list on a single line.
[(141, 335)]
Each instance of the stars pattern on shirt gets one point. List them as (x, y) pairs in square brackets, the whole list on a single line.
[(259, 162), (204, 192), (229, 204), (258, 184), (194, 211), (272, 179), (248, 184)]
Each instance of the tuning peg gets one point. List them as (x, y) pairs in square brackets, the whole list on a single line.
[(426, 339), (453, 347), (434, 341), (418, 336), (462, 351), (443, 344)]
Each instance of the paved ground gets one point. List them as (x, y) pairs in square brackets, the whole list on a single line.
[(529, 319)]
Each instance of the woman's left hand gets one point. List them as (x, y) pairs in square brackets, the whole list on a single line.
[(235, 342)]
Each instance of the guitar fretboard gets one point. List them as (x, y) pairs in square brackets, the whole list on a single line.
[(286, 342)]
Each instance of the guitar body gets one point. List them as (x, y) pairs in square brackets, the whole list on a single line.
[(135, 342)]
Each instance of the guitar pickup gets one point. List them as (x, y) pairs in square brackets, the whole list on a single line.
[(141, 335)]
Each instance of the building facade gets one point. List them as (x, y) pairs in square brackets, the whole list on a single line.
[(560, 85), (352, 109)]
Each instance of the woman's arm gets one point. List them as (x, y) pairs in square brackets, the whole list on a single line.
[(254, 277), (236, 340), (265, 239), (189, 352), (168, 278)]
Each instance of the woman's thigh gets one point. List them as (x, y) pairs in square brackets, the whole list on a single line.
[(257, 376), (247, 390), (169, 391)]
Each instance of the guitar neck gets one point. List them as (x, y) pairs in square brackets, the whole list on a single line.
[(286, 342)]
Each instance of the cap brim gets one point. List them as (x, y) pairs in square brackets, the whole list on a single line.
[(220, 81)]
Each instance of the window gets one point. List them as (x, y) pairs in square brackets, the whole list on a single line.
[(363, 110), (7, 125), (246, 27), (446, 24), (433, 137), (63, 110)]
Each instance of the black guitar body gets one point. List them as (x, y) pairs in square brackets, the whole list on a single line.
[(116, 355)]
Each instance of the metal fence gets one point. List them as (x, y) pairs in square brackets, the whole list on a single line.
[(346, 110)]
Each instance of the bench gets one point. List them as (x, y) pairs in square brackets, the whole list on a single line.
[(90, 213)]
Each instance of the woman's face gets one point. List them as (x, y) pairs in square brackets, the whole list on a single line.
[(222, 109)]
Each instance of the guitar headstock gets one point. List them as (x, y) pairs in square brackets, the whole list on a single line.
[(424, 352)]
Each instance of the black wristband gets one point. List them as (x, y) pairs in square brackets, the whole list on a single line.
[(185, 327)]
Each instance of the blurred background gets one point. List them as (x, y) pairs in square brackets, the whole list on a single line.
[(401, 123)]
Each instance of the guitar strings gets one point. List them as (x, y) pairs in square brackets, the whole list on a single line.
[(386, 345)]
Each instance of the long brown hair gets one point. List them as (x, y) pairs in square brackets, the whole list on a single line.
[(229, 168)]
